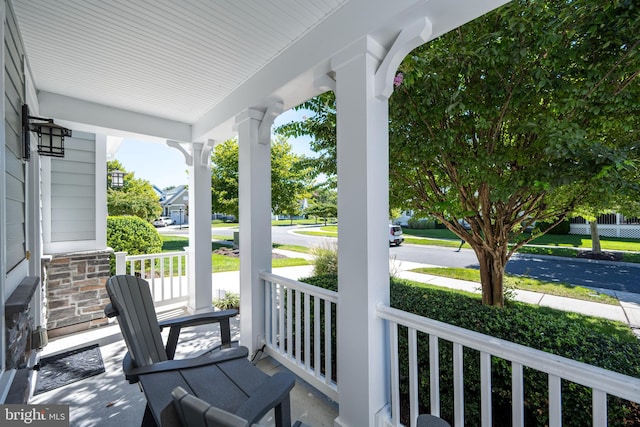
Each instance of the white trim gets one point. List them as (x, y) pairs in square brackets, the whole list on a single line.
[(3, 209), (101, 191)]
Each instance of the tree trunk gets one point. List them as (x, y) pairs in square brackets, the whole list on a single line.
[(595, 237), (492, 268)]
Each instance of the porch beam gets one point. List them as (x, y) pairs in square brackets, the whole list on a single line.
[(254, 193), (363, 249)]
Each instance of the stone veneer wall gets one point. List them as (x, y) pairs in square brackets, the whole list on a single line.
[(19, 322), (75, 290)]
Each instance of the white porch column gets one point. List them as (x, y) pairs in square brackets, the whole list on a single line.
[(254, 192), (363, 247), (364, 82), (198, 159)]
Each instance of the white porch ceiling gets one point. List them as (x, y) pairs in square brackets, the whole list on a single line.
[(165, 58), (182, 69)]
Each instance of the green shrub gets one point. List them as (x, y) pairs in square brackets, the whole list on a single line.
[(325, 260), (421, 224), (230, 300), (563, 228), (132, 235), (602, 343)]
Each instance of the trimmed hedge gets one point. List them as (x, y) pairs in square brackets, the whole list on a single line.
[(562, 228), (133, 235), (606, 344)]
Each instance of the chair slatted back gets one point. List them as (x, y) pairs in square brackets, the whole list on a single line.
[(131, 297)]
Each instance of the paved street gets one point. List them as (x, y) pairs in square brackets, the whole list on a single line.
[(596, 274)]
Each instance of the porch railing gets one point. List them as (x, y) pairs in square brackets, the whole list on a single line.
[(166, 273), (299, 330), (602, 382)]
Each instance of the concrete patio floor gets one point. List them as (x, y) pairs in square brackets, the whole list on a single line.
[(108, 400)]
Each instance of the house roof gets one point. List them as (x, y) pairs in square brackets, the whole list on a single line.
[(182, 70)]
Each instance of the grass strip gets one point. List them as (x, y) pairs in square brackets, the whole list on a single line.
[(525, 284)]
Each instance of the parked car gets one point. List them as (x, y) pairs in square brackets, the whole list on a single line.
[(395, 235), (163, 221)]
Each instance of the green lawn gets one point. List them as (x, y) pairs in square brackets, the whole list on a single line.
[(524, 283), (223, 262), (559, 240)]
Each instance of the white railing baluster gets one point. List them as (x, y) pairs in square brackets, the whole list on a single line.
[(316, 335), (282, 327), (517, 394), (555, 401), (413, 375), (395, 373), (328, 353), (599, 400), (434, 373), (458, 384), (485, 389), (267, 313), (307, 331), (289, 322), (274, 315), (298, 327)]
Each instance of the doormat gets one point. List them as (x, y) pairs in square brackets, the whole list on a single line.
[(65, 368)]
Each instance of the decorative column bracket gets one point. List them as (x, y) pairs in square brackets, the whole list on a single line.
[(204, 160), (188, 158), (414, 35), (264, 130)]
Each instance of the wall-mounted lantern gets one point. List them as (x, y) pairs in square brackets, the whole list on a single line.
[(117, 179), (50, 135)]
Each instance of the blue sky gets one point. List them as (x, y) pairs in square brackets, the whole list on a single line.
[(163, 166)]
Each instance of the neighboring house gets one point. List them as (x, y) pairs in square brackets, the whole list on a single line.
[(175, 203)]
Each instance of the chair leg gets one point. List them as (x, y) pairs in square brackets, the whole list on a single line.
[(283, 412), (147, 418)]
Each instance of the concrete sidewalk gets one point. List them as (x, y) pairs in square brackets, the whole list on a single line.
[(627, 311)]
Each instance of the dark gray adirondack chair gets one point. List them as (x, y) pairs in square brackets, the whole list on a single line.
[(224, 377), (132, 303), (195, 412)]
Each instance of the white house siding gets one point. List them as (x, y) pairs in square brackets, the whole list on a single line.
[(73, 190)]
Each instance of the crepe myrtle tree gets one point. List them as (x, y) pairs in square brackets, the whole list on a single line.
[(518, 117), (525, 115)]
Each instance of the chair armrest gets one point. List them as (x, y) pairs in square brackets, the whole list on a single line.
[(132, 372), (271, 393), (110, 311), (198, 319), (178, 323)]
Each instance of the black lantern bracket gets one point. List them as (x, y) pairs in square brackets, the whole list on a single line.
[(50, 135)]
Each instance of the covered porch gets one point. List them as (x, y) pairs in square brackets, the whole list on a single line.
[(194, 75)]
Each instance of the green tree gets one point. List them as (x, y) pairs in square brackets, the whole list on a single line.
[(323, 203), (290, 178), (526, 114), (136, 197), (224, 178)]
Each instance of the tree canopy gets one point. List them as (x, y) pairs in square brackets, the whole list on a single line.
[(136, 197), (290, 178), (527, 114)]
